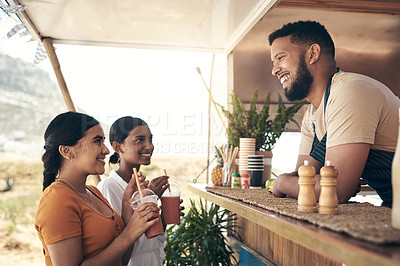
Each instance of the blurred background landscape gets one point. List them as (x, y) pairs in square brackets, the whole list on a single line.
[(19, 244), (29, 100)]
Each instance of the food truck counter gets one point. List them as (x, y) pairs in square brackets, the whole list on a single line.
[(285, 240)]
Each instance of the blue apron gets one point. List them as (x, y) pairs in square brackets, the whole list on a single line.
[(377, 171)]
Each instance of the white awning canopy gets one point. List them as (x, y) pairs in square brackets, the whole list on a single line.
[(206, 25)]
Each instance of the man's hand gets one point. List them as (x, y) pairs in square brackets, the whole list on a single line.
[(288, 184)]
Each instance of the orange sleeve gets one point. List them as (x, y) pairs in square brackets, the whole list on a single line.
[(58, 216)]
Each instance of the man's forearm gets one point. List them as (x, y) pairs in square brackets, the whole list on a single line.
[(286, 184)]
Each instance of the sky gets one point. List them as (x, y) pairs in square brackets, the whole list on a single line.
[(162, 87)]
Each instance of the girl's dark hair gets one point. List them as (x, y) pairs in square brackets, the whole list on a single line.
[(120, 130), (65, 129), (306, 33)]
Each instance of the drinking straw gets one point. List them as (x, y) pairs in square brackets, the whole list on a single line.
[(226, 152), (211, 98), (230, 151), (221, 151), (137, 183), (165, 173), (235, 152)]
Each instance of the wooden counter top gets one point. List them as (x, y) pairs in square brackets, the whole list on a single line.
[(337, 246)]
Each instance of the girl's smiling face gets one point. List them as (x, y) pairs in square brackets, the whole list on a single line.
[(90, 152), (138, 147)]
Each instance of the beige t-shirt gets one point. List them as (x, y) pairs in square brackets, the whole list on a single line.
[(359, 110)]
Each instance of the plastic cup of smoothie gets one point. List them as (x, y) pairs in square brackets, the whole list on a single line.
[(148, 196), (170, 203)]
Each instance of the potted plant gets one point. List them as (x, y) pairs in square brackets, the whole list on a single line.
[(251, 123), (200, 238)]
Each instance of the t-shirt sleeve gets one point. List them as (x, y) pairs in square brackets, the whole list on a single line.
[(352, 115), (307, 135), (58, 217)]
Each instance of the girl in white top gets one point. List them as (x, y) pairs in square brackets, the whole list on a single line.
[(131, 140)]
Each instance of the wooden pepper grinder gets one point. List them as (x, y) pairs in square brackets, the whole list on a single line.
[(306, 201), (328, 201)]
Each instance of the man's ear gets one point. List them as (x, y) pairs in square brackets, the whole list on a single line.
[(117, 147), (314, 52), (66, 152)]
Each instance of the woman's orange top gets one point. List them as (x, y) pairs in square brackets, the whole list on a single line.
[(63, 214)]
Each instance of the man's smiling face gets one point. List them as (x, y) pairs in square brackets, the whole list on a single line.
[(290, 68)]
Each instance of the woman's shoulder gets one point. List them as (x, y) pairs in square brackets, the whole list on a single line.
[(57, 191), (57, 198)]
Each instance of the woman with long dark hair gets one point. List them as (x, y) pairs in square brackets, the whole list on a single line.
[(132, 141), (75, 223)]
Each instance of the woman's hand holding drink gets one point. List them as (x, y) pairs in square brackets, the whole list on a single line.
[(143, 219), (145, 198), (127, 196)]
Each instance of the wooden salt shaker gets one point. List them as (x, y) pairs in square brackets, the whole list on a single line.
[(306, 201), (328, 201)]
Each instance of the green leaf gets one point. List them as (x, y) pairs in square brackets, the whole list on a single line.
[(199, 239), (252, 124)]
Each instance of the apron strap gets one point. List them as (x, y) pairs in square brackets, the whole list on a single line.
[(318, 148), (326, 95)]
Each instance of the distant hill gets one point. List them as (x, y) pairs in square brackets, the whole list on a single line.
[(29, 99)]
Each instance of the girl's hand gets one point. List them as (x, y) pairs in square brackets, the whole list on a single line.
[(127, 200), (159, 185), (130, 189), (142, 180), (143, 218), (132, 186), (181, 208)]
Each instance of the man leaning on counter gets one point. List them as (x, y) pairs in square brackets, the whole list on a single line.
[(352, 119)]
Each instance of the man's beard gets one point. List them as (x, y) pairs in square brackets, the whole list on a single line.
[(301, 85)]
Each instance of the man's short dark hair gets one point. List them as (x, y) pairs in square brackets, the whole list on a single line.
[(306, 33)]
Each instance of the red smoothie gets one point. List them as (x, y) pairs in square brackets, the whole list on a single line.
[(156, 229), (149, 196), (170, 209)]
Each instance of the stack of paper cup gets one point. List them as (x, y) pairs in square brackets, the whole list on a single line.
[(247, 146), (256, 170)]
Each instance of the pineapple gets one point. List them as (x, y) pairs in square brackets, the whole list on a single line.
[(216, 173)]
